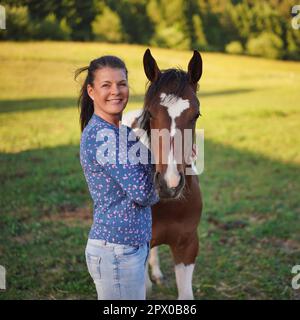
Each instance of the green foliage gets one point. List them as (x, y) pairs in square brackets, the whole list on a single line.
[(17, 24), (51, 29), (200, 41), (136, 24), (206, 25), (293, 44), (107, 26), (266, 45), (170, 37), (172, 29), (213, 29), (234, 47), (80, 19)]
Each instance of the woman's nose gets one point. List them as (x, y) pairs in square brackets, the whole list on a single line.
[(115, 89)]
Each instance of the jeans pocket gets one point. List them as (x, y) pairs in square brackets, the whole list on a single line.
[(93, 263), (130, 250)]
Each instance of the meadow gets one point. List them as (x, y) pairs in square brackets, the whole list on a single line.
[(250, 229)]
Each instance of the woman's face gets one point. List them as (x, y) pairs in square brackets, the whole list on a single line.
[(110, 92)]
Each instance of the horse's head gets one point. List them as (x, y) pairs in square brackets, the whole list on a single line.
[(171, 103)]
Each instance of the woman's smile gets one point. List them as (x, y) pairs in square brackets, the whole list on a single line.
[(115, 100)]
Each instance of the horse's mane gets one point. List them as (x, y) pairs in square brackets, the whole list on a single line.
[(172, 81)]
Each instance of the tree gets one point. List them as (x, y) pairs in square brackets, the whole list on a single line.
[(136, 24), (107, 26), (78, 14)]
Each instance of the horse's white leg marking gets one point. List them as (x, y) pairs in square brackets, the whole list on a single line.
[(175, 107), (156, 273), (184, 275)]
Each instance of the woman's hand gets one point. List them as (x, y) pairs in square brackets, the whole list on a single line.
[(193, 156)]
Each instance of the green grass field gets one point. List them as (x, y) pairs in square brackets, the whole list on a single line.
[(250, 230)]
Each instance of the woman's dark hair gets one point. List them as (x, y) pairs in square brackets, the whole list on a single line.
[(85, 103)]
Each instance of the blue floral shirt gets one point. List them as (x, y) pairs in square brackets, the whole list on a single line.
[(122, 191)]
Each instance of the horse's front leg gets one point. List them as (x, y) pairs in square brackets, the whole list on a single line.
[(184, 257), (156, 273), (184, 275)]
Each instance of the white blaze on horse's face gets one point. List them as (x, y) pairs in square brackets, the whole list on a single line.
[(175, 106)]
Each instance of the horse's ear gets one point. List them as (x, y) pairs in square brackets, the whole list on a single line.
[(150, 67), (195, 69)]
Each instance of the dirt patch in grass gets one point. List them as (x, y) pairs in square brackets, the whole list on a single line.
[(71, 215), (24, 239), (289, 246)]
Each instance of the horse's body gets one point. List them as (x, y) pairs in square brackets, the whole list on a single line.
[(175, 223), (177, 215)]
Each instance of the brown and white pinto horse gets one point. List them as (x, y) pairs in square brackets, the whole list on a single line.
[(171, 103)]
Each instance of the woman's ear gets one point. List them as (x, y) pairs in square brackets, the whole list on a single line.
[(90, 91)]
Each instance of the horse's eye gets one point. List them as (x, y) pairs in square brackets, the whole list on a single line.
[(150, 116)]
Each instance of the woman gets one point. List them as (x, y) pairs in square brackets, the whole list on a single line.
[(122, 192)]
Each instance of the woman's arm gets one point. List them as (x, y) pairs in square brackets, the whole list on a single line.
[(136, 180)]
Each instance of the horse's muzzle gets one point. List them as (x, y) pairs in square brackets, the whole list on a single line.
[(164, 191)]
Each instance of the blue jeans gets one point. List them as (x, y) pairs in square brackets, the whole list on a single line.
[(118, 270)]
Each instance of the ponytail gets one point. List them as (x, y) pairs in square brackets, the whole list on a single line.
[(85, 103)]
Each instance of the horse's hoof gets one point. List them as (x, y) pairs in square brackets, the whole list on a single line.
[(160, 281)]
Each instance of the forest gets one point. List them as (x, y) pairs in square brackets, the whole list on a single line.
[(251, 27)]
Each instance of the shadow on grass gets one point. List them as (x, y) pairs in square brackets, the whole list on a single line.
[(7, 106), (235, 184)]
